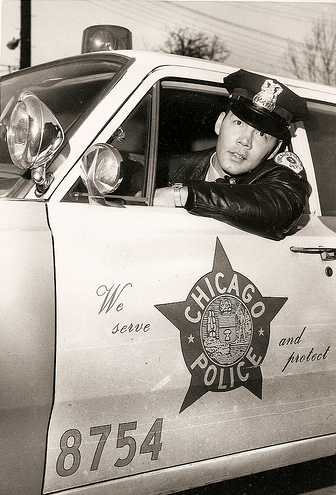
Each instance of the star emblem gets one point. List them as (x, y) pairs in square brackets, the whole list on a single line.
[(227, 320)]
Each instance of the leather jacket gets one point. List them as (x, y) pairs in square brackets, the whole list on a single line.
[(266, 201)]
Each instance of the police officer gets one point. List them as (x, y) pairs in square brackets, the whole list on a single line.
[(245, 181)]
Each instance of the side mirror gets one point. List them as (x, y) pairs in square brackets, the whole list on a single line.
[(101, 171), (34, 135)]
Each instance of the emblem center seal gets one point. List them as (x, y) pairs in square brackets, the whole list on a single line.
[(226, 330)]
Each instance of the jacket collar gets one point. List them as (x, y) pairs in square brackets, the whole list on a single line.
[(195, 165)]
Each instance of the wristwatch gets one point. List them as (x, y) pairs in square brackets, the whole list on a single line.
[(177, 194)]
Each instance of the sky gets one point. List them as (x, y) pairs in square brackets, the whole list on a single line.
[(257, 33)]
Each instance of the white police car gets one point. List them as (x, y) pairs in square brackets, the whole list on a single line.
[(144, 349)]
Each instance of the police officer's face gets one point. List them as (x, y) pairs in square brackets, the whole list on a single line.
[(241, 147)]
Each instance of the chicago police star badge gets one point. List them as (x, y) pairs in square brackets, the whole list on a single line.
[(224, 326)]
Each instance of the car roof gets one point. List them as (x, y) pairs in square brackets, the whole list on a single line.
[(150, 61), (161, 59)]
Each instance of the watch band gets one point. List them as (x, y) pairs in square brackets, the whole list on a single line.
[(177, 194)]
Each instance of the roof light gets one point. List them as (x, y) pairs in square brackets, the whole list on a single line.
[(106, 38)]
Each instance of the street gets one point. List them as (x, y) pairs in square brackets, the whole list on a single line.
[(313, 478)]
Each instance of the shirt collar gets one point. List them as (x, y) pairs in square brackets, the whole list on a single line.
[(213, 174)]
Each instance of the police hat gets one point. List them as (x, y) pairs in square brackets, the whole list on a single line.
[(264, 103)]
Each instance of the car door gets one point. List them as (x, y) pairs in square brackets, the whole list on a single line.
[(181, 339)]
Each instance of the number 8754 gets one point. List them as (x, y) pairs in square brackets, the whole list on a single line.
[(69, 458)]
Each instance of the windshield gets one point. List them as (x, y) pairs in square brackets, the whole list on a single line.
[(68, 87)]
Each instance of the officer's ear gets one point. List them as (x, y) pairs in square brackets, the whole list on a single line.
[(276, 149), (219, 122)]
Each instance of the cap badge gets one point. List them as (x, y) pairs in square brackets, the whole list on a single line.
[(267, 97)]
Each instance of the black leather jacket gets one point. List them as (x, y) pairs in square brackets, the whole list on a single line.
[(267, 201)]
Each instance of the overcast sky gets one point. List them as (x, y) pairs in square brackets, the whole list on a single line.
[(256, 33)]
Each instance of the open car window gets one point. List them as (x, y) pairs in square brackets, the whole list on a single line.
[(187, 115), (188, 112)]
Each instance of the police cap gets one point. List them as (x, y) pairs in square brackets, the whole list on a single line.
[(264, 103)]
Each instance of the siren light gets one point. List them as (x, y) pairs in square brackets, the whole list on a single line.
[(106, 38)]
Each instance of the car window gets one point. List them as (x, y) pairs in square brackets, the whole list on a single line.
[(187, 115), (321, 132), (188, 112), (131, 139)]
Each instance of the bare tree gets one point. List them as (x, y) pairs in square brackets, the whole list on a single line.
[(317, 61), (184, 41)]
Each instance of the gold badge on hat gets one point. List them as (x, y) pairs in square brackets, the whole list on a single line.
[(267, 97)]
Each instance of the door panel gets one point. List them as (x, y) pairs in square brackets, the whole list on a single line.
[(138, 387)]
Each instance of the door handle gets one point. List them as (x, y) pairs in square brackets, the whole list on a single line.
[(327, 253)]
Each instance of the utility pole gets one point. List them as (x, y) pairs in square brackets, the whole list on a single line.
[(25, 36)]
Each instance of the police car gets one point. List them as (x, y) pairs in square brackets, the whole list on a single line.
[(144, 349)]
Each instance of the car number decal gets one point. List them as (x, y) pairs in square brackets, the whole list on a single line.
[(225, 330), (70, 455)]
